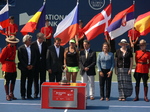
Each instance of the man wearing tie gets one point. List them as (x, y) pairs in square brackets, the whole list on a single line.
[(40, 47), (87, 62), (55, 60)]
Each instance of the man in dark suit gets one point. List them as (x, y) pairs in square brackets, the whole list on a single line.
[(40, 47), (87, 61), (55, 60), (27, 61)]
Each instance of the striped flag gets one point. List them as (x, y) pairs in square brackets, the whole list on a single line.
[(122, 22), (98, 23), (37, 21), (68, 27), (142, 23), (4, 18)]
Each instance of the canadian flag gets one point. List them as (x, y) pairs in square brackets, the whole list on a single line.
[(98, 23)]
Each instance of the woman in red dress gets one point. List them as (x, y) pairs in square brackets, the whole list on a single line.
[(142, 58)]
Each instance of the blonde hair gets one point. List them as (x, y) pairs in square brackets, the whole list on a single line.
[(142, 41)]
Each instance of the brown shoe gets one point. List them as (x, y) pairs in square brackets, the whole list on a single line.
[(146, 99), (8, 98), (136, 99), (92, 98), (137, 94), (12, 97), (145, 94)]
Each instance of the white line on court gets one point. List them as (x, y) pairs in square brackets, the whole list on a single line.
[(119, 106), (20, 104), (66, 110), (110, 106)]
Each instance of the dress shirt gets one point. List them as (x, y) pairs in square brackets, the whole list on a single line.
[(40, 46), (57, 50), (29, 54), (105, 61), (86, 52)]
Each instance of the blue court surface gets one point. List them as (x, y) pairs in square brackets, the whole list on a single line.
[(92, 105)]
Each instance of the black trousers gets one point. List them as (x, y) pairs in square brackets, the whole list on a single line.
[(48, 42), (81, 44), (136, 47), (9, 77), (105, 80), (55, 76), (138, 77), (40, 73), (26, 76), (112, 46)]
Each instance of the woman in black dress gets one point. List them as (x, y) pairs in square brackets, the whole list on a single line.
[(123, 67)]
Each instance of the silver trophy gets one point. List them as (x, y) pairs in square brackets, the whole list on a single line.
[(64, 80)]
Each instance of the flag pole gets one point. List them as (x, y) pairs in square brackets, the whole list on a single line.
[(44, 2), (110, 1), (133, 35), (7, 2), (76, 36), (133, 31)]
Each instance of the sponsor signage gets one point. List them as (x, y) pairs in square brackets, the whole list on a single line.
[(61, 95)]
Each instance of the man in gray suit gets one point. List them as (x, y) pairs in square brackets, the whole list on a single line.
[(87, 63), (55, 61)]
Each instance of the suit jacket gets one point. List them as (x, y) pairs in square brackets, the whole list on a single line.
[(53, 62), (89, 62), (23, 58), (41, 57)]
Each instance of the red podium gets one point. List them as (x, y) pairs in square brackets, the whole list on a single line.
[(56, 96)]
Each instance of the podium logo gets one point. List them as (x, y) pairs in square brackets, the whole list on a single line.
[(96, 4), (60, 93)]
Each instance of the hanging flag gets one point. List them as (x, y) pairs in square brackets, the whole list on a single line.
[(98, 23), (68, 27), (122, 22), (37, 21), (142, 23), (4, 18)]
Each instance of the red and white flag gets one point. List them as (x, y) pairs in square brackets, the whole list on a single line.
[(98, 23)]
